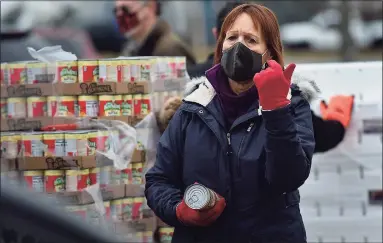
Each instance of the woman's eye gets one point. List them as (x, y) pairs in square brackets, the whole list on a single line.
[(252, 41), (231, 38)]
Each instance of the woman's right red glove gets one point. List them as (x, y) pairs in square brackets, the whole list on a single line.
[(339, 109), (191, 217)]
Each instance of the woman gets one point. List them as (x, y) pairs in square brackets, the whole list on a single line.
[(245, 134)]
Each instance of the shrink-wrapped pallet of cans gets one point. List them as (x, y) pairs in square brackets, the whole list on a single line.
[(84, 131)]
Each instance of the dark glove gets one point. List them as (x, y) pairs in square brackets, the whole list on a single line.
[(273, 85), (338, 109)]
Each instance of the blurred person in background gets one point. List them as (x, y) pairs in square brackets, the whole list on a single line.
[(147, 33), (329, 129), (245, 133)]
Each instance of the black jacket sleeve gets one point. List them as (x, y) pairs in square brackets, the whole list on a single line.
[(328, 134)]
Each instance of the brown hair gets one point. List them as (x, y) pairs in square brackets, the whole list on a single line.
[(268, 24)]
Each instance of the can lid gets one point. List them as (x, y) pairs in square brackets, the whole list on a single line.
[(197, 196)]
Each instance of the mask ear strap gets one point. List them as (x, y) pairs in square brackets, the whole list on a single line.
[(265, 65)]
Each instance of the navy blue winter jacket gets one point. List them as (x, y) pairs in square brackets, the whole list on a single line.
[(257, 166)]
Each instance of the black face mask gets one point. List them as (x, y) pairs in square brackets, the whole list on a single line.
[(240, 63)]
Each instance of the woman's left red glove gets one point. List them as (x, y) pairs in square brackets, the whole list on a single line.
[(273, 85)]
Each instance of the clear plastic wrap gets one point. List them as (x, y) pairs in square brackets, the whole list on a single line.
[(85, 132)]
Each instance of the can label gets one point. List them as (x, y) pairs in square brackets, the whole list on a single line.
[(137, 173), (54, 144), (166, 234), (109, 70), (145, 106), (34, 180), (88, 106), (67, 72), (116, 177), (126, 175), (37, 106), (109, 106), (37, 72), (105, 175), (103, 141), (92, 142), (137, 104), (83, 179), (10, 145), (3, 108), (135, 72), (107, 210), (71, 180), (127, 209), (145, 68), (137, 208), (125, 70), (52, 106), (94, 176), (54, 181), (127, 105), (4, 75), (16, 107), (32, 145), (17, 73), (67, 106), (76, 143), (116, 210), (88, 71)]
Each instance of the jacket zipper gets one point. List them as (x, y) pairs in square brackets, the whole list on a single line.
[(239, 173)]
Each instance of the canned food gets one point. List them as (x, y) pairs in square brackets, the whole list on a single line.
[(137, 104), (54, 181), (116, 177), (109, 106), (92, 142), (109, 70), (147, 237), (125, 70), (126, 106), (17, 107), (78, 210), (37, 72), (4, 75), (87, 71), (13, 178), (83, 179), (34, 179), (32, 144), (126, 175), (66, 106), (94, 175), (145, 106), (17, 72), (3, 108), (146, 68), (103, 143), (173, 67), (199, 197), (166, 234), (137, 208), (137, 173), (127, 208), (135, 72), (71, 180), (52, 106), (37, 106), (66, 72), (10, 145), (181, 67), (54, 144), (116, 209), (88, 105), (107, 210), (105, 175), (76, 143)]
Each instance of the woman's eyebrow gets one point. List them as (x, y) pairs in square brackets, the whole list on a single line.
[(244, 32)]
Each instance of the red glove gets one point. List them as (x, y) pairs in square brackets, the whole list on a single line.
[(273, 85), (206, 217), (339, 109)]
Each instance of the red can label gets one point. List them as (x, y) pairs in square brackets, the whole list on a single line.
[(32, 145), (67, 106), (137, 104), (126, 175), (83, 179), (37, 106), (34, 180), (54, 143), (102, 141), (67, 72), (94, 176), (88, 71), (54, 181), (17, 73), (145, 106)]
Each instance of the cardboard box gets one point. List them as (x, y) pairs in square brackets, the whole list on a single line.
[(84, 88), (133, 88), (134, 190), (141, 225), (7, 164), (25, 124), (26, 90)]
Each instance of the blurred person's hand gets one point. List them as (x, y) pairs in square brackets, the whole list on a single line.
[(339, 109)]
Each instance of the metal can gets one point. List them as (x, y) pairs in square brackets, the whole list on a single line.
[(107, 210), (109, 70), (125, 70), (34, 179), (66, 72), (88, 105), (94, 175), (147, 237), (3, 108), (126, 106), (118, 102), (71, 180), (83, 179), (4, 74), (17, 73), (166, 234), (37, 72), (173, 67), (105, 175), (137, 208), (76, 143), (54, 144), (116, 177), (32, 144), (137, 104), (146, 68), (107, 106), (127, 208), (146, 104), (137, 173), (103, 143), (87, 71), (54, 180), (66, 106), (199, 197), (10, 145), (37, 106), (52, 106), (116, 209), (78, 210), (181, 67), (135, 72), (17, 107), (92, 142), (126, 175)]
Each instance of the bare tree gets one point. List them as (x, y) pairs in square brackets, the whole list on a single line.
[(348, 49)]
